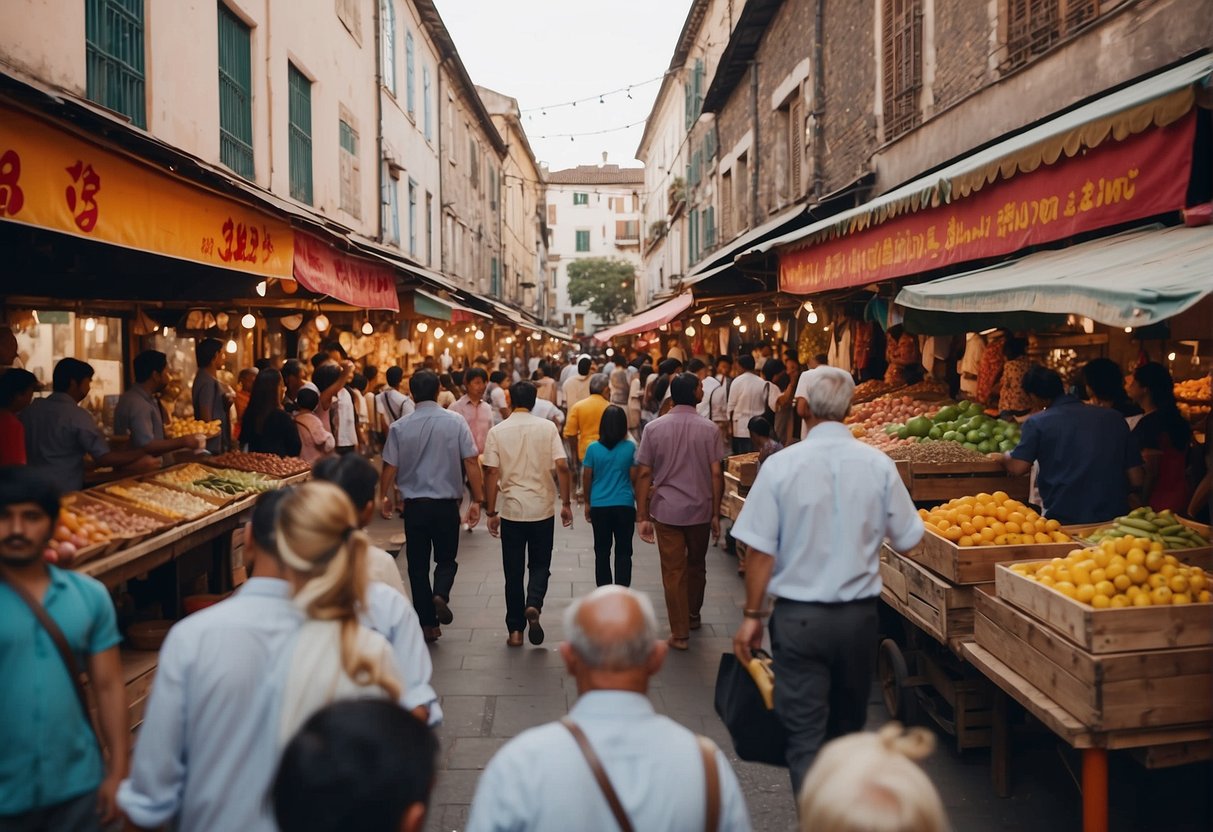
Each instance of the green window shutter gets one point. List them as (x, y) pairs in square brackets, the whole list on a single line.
[(688, 103), (693, 237), (412, 217), (709, 227), (300, 134), (698, 84), (425, 103), (235, 94), (495, 279), (113, 34), (583, 240), (410, 92)]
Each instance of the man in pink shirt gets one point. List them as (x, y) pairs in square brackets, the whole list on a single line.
[(678, 491), (477, 413)]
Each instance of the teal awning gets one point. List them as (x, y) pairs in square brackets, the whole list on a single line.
[(1134, 279), (430, 306)]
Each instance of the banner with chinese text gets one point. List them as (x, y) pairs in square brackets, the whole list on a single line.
[(322, 269), (51, 179), (1142, 176)]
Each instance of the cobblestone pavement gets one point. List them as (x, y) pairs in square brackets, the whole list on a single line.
[(491, 693)]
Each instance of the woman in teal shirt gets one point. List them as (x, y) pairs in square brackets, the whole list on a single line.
[(608, 477)]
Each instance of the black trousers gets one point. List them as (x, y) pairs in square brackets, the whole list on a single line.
[(525, 546), (823, 674), (613, 524), (431, 525)]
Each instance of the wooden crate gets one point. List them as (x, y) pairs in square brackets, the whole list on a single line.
[(1112, 691), (903, 471), (730, 505), (942, 609), (1201, 556), (1111, 630), (734, 485), (102, 491), (975, 564), (936, 482), (744, 467)]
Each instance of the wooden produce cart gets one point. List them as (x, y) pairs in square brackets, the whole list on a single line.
[(206, 543), (938, 482), (1109, 679)]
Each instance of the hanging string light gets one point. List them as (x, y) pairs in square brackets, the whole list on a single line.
[(760, 318), (736, 320), (690, 330), (367, 327), (249, 320), (322, 322), (705, 319), (423, 327)]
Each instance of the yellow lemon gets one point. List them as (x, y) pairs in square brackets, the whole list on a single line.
[(1155, 581), (965, 541), (1154, 561), (987, 536), (1137, 573), (1001, 497), (1119, 601), (1160, 595), (1114, 569), (1101, 558), (1142, 599), (1080, 576), (1052, 526), (1084, 593), (1181, 598), (1197, 582), (1098, 575), (1101, 602), (1168, 571), (1106, 588), (1047, 580), (1178, 583), (1122, 582), (1065, 588), (1136, 556), (1205, 596)]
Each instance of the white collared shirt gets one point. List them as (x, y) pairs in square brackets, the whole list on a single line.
[(822, 508), (749, 396), (540, 782), (344, 421)]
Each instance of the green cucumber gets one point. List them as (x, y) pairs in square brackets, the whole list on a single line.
[(1174, 528), (1136, 523), (1179, 542)]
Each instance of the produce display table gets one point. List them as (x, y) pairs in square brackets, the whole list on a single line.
[(1163, 745)]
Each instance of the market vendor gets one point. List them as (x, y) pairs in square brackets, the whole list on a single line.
[(1089, 462), (138, 412), (212, 399), (58, 432)]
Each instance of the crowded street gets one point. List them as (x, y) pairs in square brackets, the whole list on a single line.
[(533, 415)]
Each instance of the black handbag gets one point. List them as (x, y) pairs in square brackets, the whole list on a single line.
[(758, 735)]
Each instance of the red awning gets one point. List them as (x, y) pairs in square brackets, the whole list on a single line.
[(649, 319), (326, 271)]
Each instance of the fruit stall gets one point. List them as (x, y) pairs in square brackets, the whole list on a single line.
[(166, 544), (1102, 633)]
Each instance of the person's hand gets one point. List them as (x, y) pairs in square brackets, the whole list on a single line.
[(647, 533), (347, 370), (107, 800), (473, 518), (716, 528), (387, 504), (587, 513), (747, 640), (566, 515), (495, 525), (195, 442)]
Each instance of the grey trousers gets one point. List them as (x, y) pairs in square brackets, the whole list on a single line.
[(77, 814), (823, 674)]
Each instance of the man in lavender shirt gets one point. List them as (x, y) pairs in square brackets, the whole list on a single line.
[(679, 462)]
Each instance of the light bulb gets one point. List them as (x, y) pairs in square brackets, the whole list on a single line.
[(248, 321), (260, 288), (736, 320), (705, 319), (437, 332), (1171, 356), (459, 345), (808, 306), (1128, 329), (367, 328), (322, 322), (90, 324), (510, 340), (450, 339), (664, 327), (741, 328), (480, 335), (537, 336), (611, 351), (423, 327), (760, 318), (231, 345), (812, 317), (690, 330), (778, 327)]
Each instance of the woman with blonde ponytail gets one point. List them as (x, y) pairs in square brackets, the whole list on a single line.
[(334, 656), (871, 782)]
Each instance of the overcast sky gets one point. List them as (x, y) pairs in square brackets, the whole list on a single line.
[(548, 51)]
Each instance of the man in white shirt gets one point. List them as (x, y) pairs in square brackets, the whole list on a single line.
[(391, 403), (496, 397), (577, 386), (749, 396), (715, 403), (542, 781), (814, 520), (521, 503)]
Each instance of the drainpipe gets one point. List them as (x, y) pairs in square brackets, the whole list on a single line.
[(379, 115), (754, 147), (819, 92), (269, 89)]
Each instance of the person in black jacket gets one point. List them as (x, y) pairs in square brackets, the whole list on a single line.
[(266, 427)]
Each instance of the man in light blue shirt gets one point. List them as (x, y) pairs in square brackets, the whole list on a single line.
[(206, 753), (541, 780), (426, 456), (814, 520)]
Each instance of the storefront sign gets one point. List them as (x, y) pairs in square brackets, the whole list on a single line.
[(326, 271), (1139, 177), (51, 179)]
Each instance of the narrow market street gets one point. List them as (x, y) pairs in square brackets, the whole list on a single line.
[(491, 693)]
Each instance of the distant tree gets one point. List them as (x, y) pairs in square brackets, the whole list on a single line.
[(605, 285)]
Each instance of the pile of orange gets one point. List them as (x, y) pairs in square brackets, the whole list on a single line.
[(1125, 572), (991, 520)]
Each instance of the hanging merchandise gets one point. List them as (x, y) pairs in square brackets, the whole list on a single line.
[(840, 353)]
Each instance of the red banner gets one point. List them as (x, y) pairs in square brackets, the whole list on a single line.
[(1142, 176), (322, 269)]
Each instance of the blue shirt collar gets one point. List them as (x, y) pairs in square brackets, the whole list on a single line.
[(613, 704), (828, 431), (267, 588), (425, 405)]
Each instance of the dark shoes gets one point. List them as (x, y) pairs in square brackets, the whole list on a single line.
[(431, 634), (515, 639), (443, 610), (696, 622), (534, 630)]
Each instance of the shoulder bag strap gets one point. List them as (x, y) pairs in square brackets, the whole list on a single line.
[(65, 652), (712, 778), (604, 782)]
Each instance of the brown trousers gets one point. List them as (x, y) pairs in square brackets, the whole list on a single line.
[(684, 572)]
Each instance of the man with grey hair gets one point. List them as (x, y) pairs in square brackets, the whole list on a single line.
[(581, 427), (814, 520), (613, 763)]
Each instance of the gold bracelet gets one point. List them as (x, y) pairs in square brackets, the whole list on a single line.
[(757, 614)]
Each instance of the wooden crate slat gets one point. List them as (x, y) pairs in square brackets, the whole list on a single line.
[(975, 564)]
